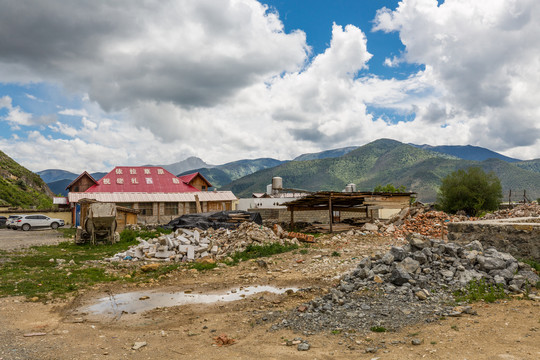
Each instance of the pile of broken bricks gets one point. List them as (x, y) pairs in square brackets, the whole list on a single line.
[(190, 245), (415, 220)]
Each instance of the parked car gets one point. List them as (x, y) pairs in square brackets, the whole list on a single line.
[(3, 221), (10, 224), (28, 222)]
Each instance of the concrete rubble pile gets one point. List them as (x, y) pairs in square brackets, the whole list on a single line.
[(189, 245), (409, 284), (522, 210)]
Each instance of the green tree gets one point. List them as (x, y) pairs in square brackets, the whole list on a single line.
[(472, 191), (390, 188)]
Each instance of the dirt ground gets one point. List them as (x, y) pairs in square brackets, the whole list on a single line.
[(13, 239), (65, 329)]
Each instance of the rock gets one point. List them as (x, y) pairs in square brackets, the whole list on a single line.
[(422, 294), (304, 346), (417, 341), (150, 267), (370, 227), (398, 253), (410, 265), (138, 345), (399, 276)]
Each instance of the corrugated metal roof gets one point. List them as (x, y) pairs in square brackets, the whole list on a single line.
[(133, 197), (140, 179)]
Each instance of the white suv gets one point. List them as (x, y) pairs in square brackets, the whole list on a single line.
[(28, 222)]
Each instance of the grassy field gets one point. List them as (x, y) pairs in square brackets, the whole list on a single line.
[(45, 272)]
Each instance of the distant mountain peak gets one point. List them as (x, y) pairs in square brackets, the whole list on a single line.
[(467, 152)]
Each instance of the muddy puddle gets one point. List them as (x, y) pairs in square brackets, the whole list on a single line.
[(140, 301)]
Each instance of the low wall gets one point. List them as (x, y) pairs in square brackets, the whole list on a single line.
[(60, 214), (519, 236)]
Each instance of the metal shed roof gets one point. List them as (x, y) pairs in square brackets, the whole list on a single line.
[(124, 197)]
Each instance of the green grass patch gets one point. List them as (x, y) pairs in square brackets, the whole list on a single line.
[(202, 266), (478, 290), (378, 329), (335, 253), (67, 232), (304, 251), (257, 251), (31, 273)]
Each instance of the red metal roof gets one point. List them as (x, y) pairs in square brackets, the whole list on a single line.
[(141, 179), (189, 177)]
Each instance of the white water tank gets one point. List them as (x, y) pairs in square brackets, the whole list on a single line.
[(269, 189), (277, 183), (352, 187), (348, 188)]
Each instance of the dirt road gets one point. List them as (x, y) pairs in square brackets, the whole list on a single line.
[(66, 329), (13, 239)]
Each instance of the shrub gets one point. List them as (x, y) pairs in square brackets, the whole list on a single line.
[(390, 188), (471, 191)]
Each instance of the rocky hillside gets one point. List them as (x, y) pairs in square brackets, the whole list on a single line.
[(19, 187)]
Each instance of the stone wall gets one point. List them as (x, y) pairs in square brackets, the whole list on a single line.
[(519, 236)]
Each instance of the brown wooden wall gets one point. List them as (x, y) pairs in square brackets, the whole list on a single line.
[(199, 183), (81, 185)]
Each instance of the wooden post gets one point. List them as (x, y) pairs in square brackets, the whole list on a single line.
[(292, 218), (198, 203), (331, 212)]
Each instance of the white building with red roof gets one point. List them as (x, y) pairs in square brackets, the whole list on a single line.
[(158, 194)]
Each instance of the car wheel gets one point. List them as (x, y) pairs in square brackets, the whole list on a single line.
[(26, 227), (54, 226)]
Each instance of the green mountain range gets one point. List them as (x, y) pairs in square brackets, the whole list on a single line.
[(381, 162), (221, 175), (19, 187)]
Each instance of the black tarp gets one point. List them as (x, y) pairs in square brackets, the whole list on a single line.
[(216, 220)]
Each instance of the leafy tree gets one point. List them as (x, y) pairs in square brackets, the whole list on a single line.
[(472, 191), (390, 188)]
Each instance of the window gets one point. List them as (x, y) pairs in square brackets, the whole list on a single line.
[(147, 171), (107, 181), (149, 181), (146, 209), (160, 171), (204, 187), (126, 205), (176, 180), (134, 181), (133, 171), (171, 208), (119, 181), (119, 171), (192, 208)]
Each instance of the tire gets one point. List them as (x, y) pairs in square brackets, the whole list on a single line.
[(54, 225), (26, 227)]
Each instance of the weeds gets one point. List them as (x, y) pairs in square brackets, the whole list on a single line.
[(257, 251), (335, 253), (478, 290), (534, 264), (378, 329), (202, 266)]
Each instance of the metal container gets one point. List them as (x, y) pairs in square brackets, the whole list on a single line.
[(277, 183)]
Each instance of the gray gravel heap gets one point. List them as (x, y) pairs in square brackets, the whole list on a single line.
[(407, 285)]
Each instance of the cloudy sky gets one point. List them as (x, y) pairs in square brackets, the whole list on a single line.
[(87, 85)]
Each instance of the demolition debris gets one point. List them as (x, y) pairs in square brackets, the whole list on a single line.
[(189, 245)]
